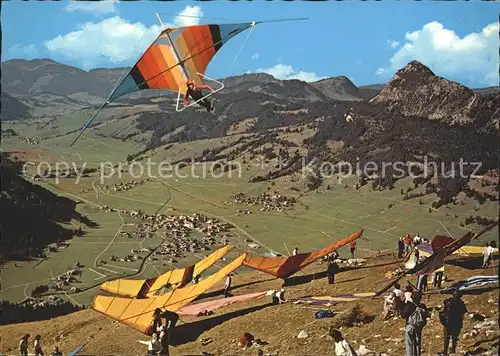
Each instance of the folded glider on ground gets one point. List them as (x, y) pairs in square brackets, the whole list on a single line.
[(176, 278), (284, 267), (137, 313), (211, 305), (436, 260)]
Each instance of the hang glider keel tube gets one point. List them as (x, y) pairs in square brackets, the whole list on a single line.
[(202, 98), (87, 124)]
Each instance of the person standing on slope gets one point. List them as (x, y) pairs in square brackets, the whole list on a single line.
[(407, 240), (452, 318), (330, 272), (352, 247), (38, 346), (194, 91), (487, 254), (23, 345), (415, 314), (401, 247), (227, 287)]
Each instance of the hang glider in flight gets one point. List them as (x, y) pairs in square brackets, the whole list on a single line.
[(177, 55)]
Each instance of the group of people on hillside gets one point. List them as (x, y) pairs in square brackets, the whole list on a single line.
[(408, 305), (407, 243), (24, 345)]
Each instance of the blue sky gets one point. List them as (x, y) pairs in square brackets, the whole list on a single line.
[(365, 41)]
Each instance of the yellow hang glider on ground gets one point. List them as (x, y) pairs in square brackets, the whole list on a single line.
[(176, 278), (137, 313)]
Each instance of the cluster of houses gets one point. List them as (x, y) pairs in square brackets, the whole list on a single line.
[(50, 300), (269, 202), (243, 212), (45, 295), (124, 186), (63, 281), (178, 230), (30, 140)]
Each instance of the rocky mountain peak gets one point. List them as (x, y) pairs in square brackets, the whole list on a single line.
[(416, 91)]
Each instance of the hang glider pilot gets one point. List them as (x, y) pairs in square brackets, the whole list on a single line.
[(194, 91)]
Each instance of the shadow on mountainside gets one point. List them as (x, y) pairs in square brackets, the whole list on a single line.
[(32, 215)]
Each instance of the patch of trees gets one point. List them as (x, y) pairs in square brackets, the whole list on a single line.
[(483, 221), (39, 290), (447, 190), (313, 181), (418, 181), (293, 165), (132, 156), (409, 196), (481, 197), (10, 132), (15, 313), (235, 106), (379, 136)]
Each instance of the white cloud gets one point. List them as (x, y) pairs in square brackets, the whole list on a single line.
[(380, 71), (189, 16), (114, 39), (94, 7), (256, 56), (475, 56), (286, 72), (393, 44)]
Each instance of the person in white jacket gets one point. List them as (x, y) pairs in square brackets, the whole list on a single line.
[(342, 346), (227, 287), (153, 345), (487, 255)]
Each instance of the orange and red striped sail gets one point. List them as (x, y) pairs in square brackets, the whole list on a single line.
[(176, 55), (284, 267)]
